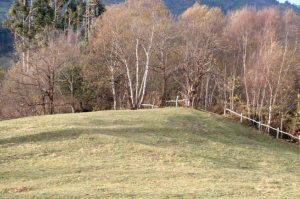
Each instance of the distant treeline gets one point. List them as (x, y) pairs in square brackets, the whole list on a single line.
[(6, 41), (176, 7)]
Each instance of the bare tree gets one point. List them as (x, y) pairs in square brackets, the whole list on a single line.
[(132, 30), (200, 28)]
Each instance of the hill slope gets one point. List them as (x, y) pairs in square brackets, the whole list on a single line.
[(143, 154), (6, 41), (178, 6), (4, 6)]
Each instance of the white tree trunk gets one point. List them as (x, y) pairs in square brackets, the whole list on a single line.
[(113, 88), (245, 44)]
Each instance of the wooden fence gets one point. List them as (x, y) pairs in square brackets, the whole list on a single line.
[(260, 125), (152, 106), (279, 132), (177, 101)]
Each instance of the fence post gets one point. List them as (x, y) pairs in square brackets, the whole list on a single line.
[(177, 101), (259, 126), (277, 136), (299, 139), (241, 117)]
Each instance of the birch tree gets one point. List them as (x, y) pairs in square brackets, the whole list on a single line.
[(133, 29)]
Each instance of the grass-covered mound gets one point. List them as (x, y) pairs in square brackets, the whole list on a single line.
[(176, 153)]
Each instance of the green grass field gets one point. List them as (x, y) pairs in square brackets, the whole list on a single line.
[(163, 153)]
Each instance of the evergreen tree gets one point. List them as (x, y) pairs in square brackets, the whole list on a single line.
[(27, 19)]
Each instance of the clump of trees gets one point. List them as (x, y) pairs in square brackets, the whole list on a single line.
[(136, 52)]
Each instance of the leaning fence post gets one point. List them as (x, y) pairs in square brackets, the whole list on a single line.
[(277, 136), (177, 101), (241, 117)]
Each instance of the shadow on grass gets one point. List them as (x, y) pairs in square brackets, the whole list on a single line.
[(41, 137), (192, 129), (222, 130), (156, 137)]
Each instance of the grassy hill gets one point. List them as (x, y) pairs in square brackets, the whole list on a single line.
[(163, 153)]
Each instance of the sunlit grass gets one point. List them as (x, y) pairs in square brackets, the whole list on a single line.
[(177, 153)]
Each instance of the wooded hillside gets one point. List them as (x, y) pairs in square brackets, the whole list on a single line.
[(176, 7), (6, 41)]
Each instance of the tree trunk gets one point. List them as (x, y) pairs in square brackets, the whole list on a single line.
[(113, 88), (245, 43)]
